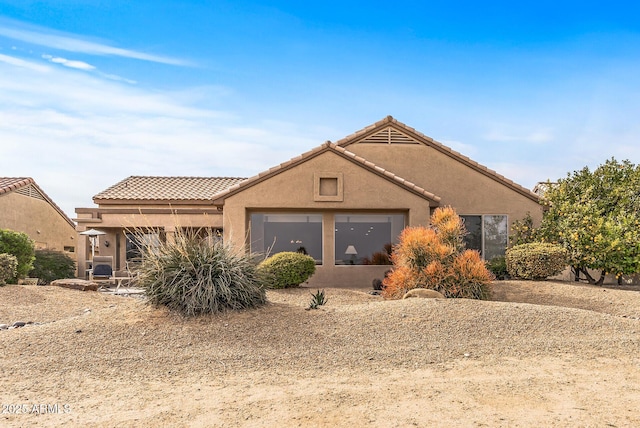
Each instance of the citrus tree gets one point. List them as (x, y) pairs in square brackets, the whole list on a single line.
[(595, 216)]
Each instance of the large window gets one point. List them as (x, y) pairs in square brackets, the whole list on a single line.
[(275, 233), (365, 239), (137, 241), (487, 234)]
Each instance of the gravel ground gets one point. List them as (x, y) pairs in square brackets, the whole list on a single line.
[(547, 353)]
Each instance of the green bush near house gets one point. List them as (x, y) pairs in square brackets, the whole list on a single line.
[(196, 275), (287, 269), (50, 265), (22, 247), (498, 267), (536, 260), (8, 267)]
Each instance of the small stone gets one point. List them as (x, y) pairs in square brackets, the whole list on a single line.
[(467, 355), (78, 331)]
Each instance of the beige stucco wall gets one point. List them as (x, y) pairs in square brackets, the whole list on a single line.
[(293, 189), (467, 190), (38, 219)]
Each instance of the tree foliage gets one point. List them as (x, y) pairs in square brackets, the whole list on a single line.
[(22, 247), (50, 265), (595, 216)]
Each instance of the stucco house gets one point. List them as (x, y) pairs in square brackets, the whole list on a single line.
[(343, 203), (25, 207)]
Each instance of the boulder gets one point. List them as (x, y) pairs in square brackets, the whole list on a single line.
[(76, 284), (423, 293)]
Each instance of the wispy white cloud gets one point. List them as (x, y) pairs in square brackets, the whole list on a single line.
[(533, 136), (17, 62), (80, 65), (465, 149), (75, 43), (89, 133)]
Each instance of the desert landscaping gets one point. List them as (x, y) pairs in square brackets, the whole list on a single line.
[(537, 354)]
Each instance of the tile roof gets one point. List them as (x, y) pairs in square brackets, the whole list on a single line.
[(167, 188), (371, 131), (328, 146), (10, 184)]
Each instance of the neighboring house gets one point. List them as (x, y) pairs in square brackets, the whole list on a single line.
[(344, 203), (24, 207)]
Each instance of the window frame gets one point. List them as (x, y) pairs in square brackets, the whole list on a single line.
[(483, 250), (358, 259), (265, 249)]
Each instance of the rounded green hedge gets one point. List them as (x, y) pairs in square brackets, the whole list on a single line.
[(288, 269), (536, 260), (50, 265)]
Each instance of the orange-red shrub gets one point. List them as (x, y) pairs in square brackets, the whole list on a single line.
[(434, 257)]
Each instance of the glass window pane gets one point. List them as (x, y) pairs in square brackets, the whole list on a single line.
[(275, 233), (366, 239), (473, 238), (136, 242), (495, 236)]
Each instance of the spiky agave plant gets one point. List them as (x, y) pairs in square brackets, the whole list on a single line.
[(318, 299), (194, 274)]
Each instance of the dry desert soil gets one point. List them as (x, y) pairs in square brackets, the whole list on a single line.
[(537, 354)]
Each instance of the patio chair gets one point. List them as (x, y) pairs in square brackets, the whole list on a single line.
[(127, 275), (102, 269)]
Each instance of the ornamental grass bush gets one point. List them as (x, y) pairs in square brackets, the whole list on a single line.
[(435, 258), (50, 265), (194, 274), (8, 267), (536, 260), (287, 269)]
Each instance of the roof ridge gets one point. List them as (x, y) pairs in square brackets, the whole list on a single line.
[(448, 151), (16, 183), (25, 181), (327, 146)]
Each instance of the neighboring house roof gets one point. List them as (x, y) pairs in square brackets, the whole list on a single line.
[(328, 146), (166, 188), (389, 130), (28, 187), (541, 188)]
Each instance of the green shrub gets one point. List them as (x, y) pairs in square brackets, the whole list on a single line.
[(51, 265), (288, 269), (536, 260), (20, 245), (196, 275), (498, 267), (8, 266)]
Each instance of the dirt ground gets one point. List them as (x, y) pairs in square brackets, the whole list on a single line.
[(537, 354)]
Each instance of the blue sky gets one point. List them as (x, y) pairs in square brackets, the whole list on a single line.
[(93, 91)]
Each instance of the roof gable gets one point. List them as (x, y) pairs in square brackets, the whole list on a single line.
[(341, 151), (27, 186), (391, 131)]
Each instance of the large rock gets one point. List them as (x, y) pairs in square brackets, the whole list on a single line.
[(423, 293), (76, 284)]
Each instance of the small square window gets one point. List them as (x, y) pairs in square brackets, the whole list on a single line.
[(327, 187)]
